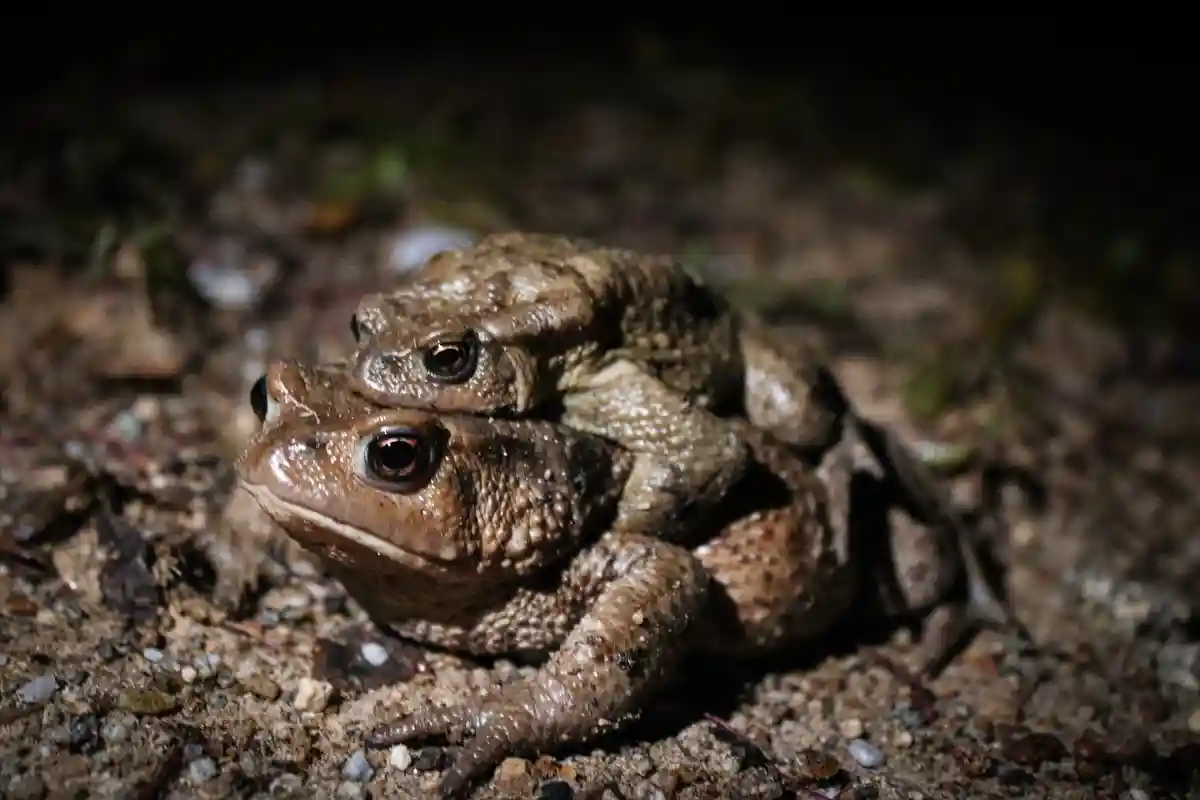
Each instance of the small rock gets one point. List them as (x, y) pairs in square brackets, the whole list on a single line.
[(866, 754), (82, 732), (312, 695), (38, 690), (851, 728), (556, 790), (903, 739), (261, 686), (374, 654), (153, 655), (189, 674), (116, 728), (146, 701), (414, 247), (1194, 721), (911, 718), (202, 770), (348, 790), (400, 757), (357, 768)]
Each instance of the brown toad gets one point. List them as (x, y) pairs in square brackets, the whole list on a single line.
[(630, 347), (491, 536)]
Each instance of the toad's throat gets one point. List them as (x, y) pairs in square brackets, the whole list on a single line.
[(318, 531)]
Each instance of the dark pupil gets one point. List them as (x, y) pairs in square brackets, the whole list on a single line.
[(447, 359), (258, 398), (396, 456)]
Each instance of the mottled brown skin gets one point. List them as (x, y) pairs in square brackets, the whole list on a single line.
[(502, 543), (572, 331), (633, 348)]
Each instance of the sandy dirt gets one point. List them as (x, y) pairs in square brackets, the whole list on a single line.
[(158, 254)]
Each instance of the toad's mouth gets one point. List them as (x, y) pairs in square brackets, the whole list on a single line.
[(330, 537)]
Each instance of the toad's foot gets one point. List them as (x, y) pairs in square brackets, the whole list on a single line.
[(648, 593), (915, 489), (686, 459)]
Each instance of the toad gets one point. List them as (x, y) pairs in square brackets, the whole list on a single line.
[(489, 536), (631, 347)]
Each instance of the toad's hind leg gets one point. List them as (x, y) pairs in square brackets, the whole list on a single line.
[(685, 458), (643, 595), (789, 572)]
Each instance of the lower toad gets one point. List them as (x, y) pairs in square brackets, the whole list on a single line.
[(492, 537)]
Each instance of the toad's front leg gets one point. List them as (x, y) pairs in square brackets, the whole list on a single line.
[(685, 458), (646, 594)]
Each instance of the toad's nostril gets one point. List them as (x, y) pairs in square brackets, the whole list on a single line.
[(314, 443)]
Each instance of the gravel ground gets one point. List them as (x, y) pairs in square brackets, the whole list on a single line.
[(147, 652)]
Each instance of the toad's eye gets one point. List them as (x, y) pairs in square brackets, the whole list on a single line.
[(260, 399), (452, 361), (400, 459), (354, 329)]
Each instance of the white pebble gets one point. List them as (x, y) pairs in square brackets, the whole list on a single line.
[(866, 754), (414, 247), (202, 770), (374, 654), (38, 690), (152, 655), (357, 768), (400, 757), (312, 695)]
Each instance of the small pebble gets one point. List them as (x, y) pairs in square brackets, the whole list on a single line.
[(357, 768), (374, 654), (202, 770), (115, 728), (312, 695), (866, 754), (851, 728), (414, 247), (146, 701), (348, 790), (38, 690), (904, 739), (1194, 721), (152, 655), (189, 674), (82, 731), (262, 686), (400, 757)]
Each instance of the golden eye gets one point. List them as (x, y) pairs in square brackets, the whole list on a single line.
[(453, 360)]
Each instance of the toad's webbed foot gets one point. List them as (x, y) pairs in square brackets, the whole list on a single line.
[(647, 593)]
